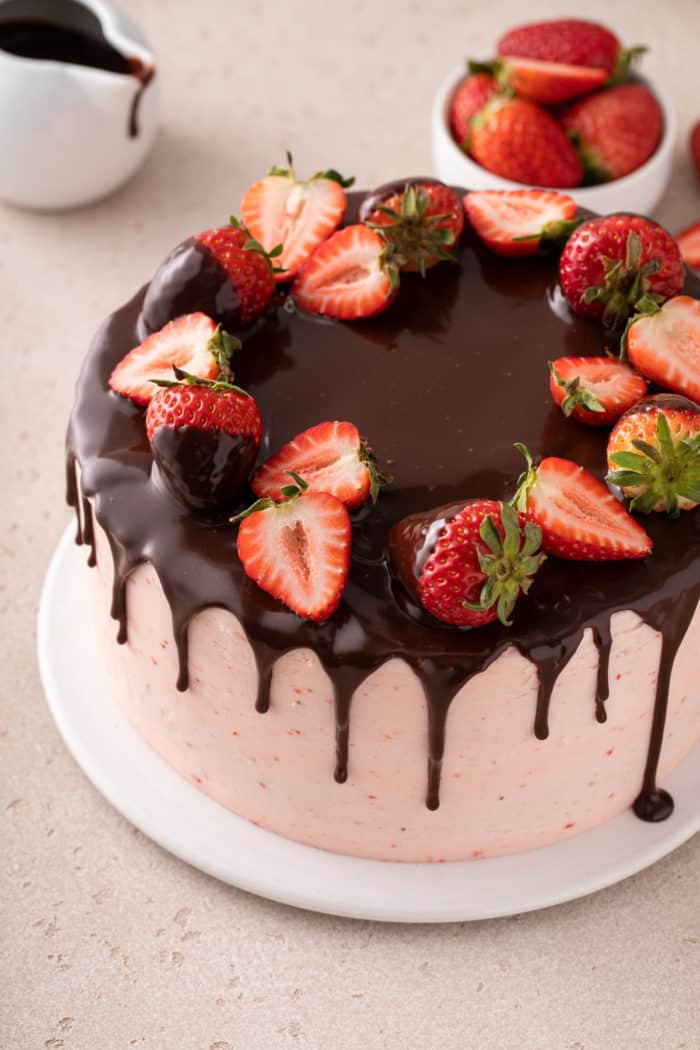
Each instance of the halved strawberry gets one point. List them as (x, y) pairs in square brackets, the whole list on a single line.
[(281, 209), (520, 222), (654, 454), (663, 343), (688, 240), (580, 518), (330, 457), (298, 551), (192, 343), (594, 390), (550, 82), (348, 276)]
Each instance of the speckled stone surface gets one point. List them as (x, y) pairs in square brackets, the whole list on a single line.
[(106, 942)]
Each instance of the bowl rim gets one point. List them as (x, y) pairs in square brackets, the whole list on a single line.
[(441, 127)]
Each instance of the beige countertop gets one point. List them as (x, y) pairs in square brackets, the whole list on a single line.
[(106, 941)]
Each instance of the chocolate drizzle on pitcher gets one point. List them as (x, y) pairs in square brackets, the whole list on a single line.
[(442, 384)]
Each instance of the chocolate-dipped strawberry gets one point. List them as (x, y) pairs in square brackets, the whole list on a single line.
[(421, 220), (466, 563), (205, 436), (222, 272)]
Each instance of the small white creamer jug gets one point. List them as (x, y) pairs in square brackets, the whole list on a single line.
[(78, 101)]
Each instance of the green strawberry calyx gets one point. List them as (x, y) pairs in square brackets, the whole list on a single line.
[(289, 492), (577, 395), (659, 475), (412, 235), (625, 284), (509, 562)]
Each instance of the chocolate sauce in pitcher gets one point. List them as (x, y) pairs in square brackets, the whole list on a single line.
[(65, 31)]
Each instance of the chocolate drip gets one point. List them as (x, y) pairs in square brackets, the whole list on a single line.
[(464, 330), (88, 531), (654, 804), (72, 494), (602, 638), (144, 75)]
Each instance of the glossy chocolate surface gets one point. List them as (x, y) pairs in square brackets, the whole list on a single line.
[(442, 383)]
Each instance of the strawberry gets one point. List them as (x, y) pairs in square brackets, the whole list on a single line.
[(348, 276), (608, 264), (580, 518), (247, 265), (299, 550), (663, 343), (550, 82), (694, 143), (470, 97), (654, 454), (571, 41), (615, 130), (688, 241), (420, 220), (520, 222), (594, 390), (330, 457), (204, 435), (280, 209), (518, 140), (466, 563), (193, 343)]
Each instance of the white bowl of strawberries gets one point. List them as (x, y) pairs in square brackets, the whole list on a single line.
[(556, 108)]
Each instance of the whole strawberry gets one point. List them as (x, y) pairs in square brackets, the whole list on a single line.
[(420, 219), (571, 41), (466, 563), (519, 140), (469, 99), (615, 130), (205, 436), (654, 454), (608, 264), (224, 272)]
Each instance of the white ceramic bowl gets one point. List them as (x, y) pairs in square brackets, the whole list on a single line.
[(640, 191)]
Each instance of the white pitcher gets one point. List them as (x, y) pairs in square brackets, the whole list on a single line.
[(78, 101)]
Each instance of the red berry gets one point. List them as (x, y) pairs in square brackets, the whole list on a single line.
[(298, 551), (469, 99), (580, 518), (330, 457), (550, 82), (654, 454), (608, 264), (616, 130), (519, 140), (694, 143), (664, 345), (280, 209), (594, 390), (347, 277), (420, 222), (188, 343), (520, 222), (466, 563), (688, 241), (248, 268), (572, 41)]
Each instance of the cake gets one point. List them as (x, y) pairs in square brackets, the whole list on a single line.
[(382, 732)]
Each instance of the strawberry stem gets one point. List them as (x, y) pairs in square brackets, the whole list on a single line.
[(658, 475), (509, 563)]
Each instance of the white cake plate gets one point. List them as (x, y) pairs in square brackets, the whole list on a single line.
[(201, 832)]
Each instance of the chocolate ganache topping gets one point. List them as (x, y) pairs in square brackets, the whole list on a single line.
[(442, 383)]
